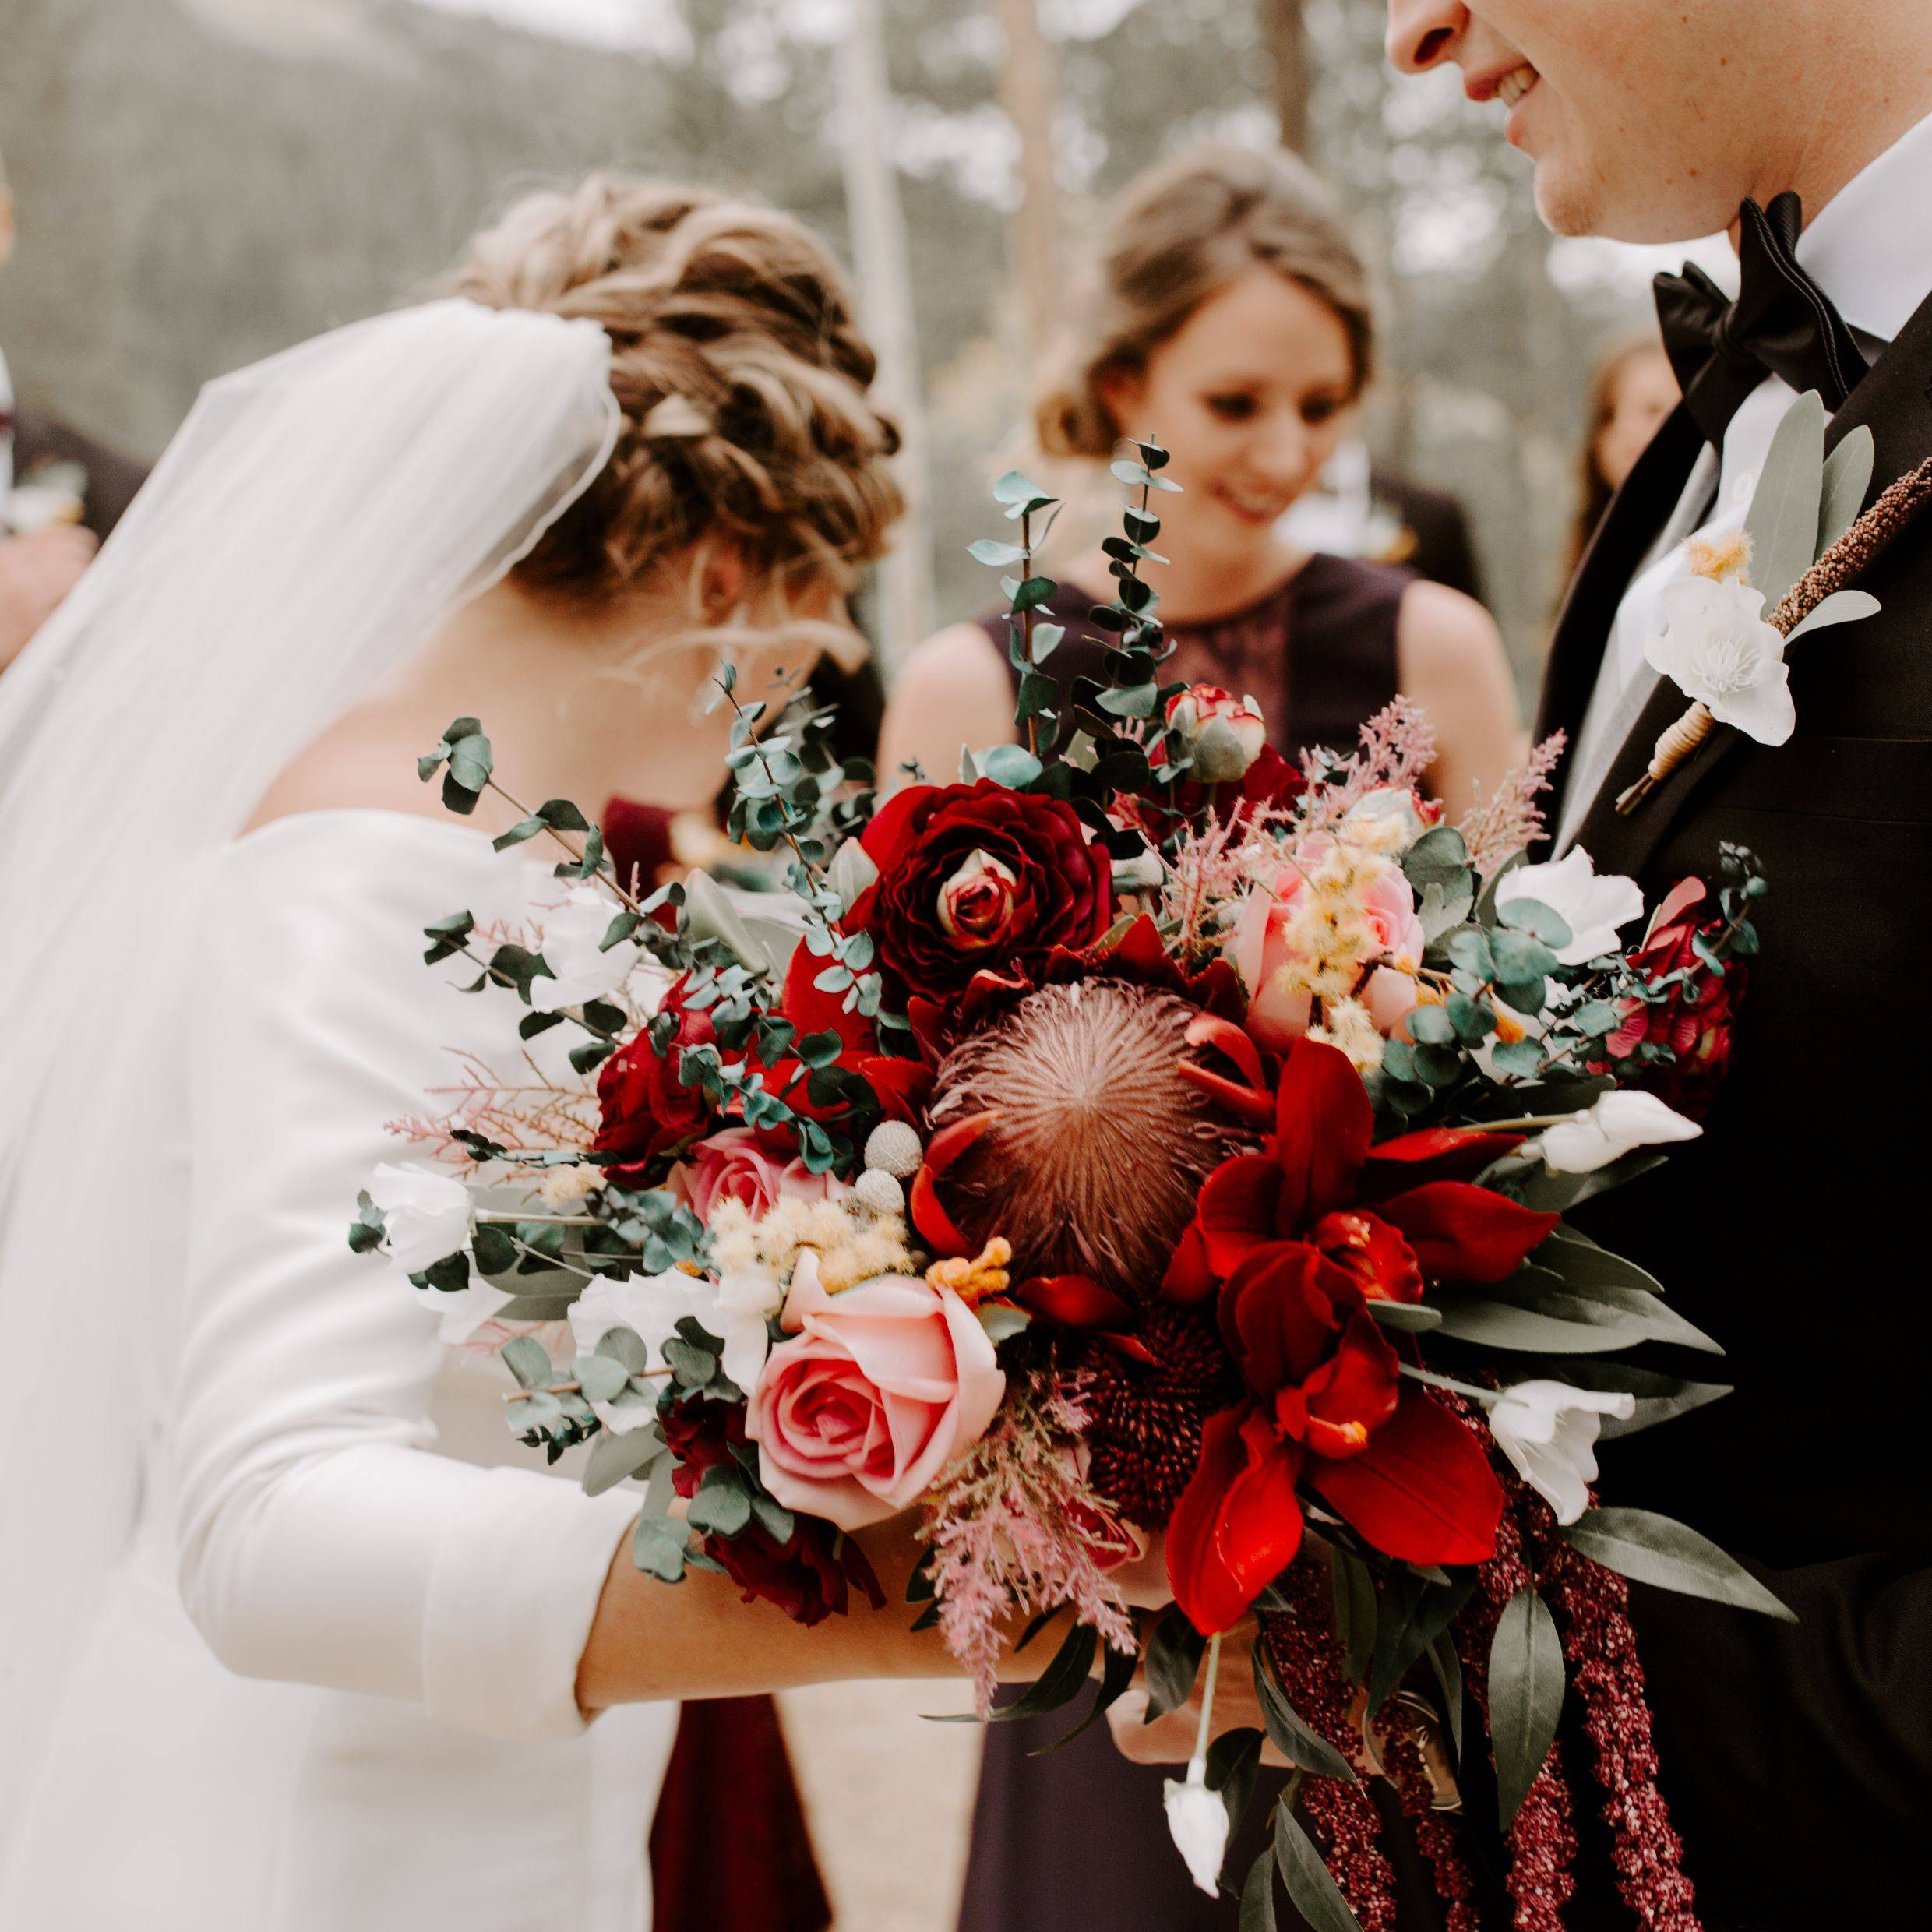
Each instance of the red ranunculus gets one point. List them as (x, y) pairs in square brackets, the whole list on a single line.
[(646, 1110), (811, 1575), (1694, 1020), (1383, 1214), (1327, 1407), (977, 876)]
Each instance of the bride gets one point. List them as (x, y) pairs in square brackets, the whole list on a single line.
[(291, 1638)]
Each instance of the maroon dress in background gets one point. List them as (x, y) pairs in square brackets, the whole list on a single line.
[(1079, 1836)]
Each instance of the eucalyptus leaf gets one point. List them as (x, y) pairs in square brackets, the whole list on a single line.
[(1842, 607), (1668, 1555), (525, 1358), (1847, 475), (657, 1547), (1782, 521), (1013, 766), (615, 1458), (1526, 1687), (600, 1379)]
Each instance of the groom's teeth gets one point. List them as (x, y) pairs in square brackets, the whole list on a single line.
[(1512, 87)]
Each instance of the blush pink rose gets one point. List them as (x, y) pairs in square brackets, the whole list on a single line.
[(731, 1165), (1278, 1011), (885, 1386)]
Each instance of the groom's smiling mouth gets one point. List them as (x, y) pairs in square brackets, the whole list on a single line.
[(1511, 86)]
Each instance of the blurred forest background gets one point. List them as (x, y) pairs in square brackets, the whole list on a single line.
[(202, 181)]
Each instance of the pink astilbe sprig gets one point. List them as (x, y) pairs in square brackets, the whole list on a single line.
[(1398, 746), (1214, 867), (1510, 819), (532, 1115), (1014, 1526)]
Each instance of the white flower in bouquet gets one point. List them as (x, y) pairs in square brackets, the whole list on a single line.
[(1548, 1432), (579, 971), (1594, 907), (1618, 1122), (1716, 647), (650, 1305), (426, 1215), (1197, 1820), (747, 1300)]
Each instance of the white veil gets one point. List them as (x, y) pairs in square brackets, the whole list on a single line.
[(316, 516)]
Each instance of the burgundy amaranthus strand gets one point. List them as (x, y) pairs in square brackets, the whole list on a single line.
[(1308, 1660), (1434, 1832), (1542, 1839), (1602, 1649)]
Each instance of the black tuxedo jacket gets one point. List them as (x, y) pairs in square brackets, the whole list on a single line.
[(1797, 1759), (112, 478)]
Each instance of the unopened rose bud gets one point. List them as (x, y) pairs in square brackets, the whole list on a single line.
[(1223, 734)]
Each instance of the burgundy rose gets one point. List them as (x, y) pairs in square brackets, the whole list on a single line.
[(646, 1109), (1694, 1019), (973, 877), (811, 1575)]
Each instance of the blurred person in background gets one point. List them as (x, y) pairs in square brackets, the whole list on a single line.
[(1230, 320), (1632, 391), (60, 494)]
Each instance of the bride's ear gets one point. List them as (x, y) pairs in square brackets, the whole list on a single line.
[(722, 575)]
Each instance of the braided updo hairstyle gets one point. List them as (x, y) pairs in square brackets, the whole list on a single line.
[(740, 372)]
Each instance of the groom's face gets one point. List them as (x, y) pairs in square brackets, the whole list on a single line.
[(1636, 122)]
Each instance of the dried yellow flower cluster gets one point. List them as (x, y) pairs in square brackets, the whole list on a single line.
[(851, 1248), (1725, 556), (563, 1187), (1346, 1025), (1329, 939), (975, 1280)]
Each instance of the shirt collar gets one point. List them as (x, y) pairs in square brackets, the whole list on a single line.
[(1869, 247)]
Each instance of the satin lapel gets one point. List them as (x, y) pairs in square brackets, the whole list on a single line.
[(1893, 402), (1638, 511)]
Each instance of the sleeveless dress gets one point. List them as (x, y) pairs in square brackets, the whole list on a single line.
[(1078, 1836), (330, 1687), (1317, 652)]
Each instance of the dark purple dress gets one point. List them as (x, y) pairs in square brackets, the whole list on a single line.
[(1079, 1836)]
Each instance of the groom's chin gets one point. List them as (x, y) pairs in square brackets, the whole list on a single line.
[(1579, 201)]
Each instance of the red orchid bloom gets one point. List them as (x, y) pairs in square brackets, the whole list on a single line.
[(1391, 1217), (1328, 1408)]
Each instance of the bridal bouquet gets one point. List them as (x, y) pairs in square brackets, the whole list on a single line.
[(1150, 1148)]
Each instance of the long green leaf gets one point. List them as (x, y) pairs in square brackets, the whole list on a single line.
[(1317, 1896), (1783, 518), (1292, 1737), (1842, 607), (1257, 1893), (1355, 1611), (1116, 1672), (1500, 1325), (1671, 1555), (1526, 1685), (1174, 1652), (1847, 475), (1412, 1615), (1060, 1682)]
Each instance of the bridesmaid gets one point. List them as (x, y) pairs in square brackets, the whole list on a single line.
[(1231, 320)]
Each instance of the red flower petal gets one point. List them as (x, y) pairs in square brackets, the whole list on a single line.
[(1365, 1247), (933, 1222), (1281, 1312), (1324, 1124), (1237, 1212), (1238, 1524), (1421, 1491), (1462, 1233), (1452, 1153), (1073, 1300), (1352, 1395), (1189, 1278)]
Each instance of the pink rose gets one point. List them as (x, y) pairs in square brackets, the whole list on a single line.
[(1280, 1006), (733, 1165), (888, 1383)]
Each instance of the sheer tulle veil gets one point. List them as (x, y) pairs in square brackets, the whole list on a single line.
[(317, 516)]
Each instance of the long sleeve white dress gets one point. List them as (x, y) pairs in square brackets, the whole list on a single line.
[(331, 1687)]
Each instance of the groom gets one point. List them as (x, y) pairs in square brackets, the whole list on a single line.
[(1797, 1759)]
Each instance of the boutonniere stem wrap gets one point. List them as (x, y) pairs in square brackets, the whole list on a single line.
[(1802, 607)]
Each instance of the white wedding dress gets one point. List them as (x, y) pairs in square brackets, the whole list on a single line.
[(328, 1686)]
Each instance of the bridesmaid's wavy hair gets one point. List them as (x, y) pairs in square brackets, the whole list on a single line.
[(1179, 234), (743, 379)]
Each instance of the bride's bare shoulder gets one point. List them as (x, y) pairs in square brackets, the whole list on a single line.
[(367, 761)]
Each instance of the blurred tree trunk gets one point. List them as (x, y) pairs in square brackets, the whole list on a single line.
[(885, 301), (1026, 92), (1286, 35)]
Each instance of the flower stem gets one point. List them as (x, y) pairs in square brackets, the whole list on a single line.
[(1197, 1765), (1445, 1382)]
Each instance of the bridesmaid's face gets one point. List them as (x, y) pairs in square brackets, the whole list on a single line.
[(1251, 396)]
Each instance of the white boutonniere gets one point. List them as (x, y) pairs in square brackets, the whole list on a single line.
[(1753, 593)]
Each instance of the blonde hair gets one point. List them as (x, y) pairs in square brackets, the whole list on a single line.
[(739, 367), (1178, 235)]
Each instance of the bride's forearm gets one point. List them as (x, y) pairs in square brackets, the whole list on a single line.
[(650, 1641)]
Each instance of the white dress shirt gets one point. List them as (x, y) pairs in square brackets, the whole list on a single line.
[(1870, 248)]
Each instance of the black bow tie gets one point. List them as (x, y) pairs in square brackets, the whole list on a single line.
[(1781, 324)]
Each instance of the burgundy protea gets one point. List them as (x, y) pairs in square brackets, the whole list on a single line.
[(1095, 1143), (1148, 1404)]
